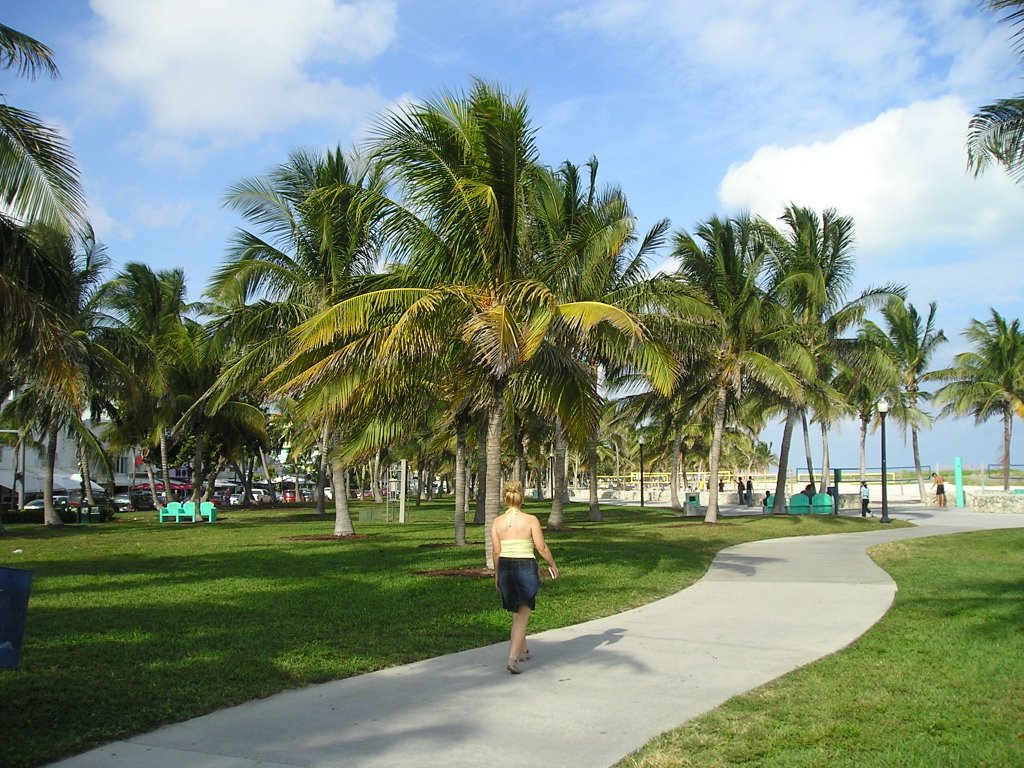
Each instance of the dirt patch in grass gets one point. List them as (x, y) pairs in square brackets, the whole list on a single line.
[(461, 573), (330, 537), (447, 544)]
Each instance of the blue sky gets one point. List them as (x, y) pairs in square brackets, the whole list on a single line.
[(694, 108)]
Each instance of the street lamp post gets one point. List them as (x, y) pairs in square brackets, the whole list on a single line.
[(883, 411), (641, 441)]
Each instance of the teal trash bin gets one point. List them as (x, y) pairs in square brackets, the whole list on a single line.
[(15, 584), (692, 504)]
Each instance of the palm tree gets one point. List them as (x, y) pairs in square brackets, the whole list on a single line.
[(149, 313), (74, 309), (909, 342), (313, 234), (996, 132), (590, 252), (811, 271), (466, 293), (988, 380), (743, 335)]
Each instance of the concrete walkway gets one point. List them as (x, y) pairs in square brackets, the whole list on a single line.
[(590, 694)]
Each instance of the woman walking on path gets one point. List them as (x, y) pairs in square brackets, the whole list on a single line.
[(514, 535), (865, 497)]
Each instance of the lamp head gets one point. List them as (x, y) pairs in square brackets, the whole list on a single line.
[(641, 439), (883, 405)]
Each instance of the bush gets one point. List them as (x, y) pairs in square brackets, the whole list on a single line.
[(35, 516)]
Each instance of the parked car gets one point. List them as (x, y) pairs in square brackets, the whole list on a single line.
[(288, 496), (75, 498), (236, 499), (59, 502), (123, 503), (141, 499)]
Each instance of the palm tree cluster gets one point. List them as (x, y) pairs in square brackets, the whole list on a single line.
[(438, 294)]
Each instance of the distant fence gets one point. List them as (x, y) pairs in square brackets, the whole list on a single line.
[(995, 472)]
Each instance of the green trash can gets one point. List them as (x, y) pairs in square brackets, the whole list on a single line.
[(692, 504), (369, 514)]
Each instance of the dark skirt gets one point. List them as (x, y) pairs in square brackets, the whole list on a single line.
[(518, 581)]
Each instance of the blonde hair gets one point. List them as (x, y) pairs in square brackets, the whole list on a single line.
[(514, 494)]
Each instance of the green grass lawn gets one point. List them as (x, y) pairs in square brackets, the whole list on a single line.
[(939, 681), (133, 624)]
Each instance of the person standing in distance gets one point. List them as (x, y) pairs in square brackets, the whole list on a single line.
[(940, 489), (865, 497), (514, 536)]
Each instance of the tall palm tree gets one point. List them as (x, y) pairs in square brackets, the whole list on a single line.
[(988, 380), (56, 408), (812, 268), (466, 174), (150, 312), (743, 337), (590, 251), (313, 233), (910, 341), (996, 132)]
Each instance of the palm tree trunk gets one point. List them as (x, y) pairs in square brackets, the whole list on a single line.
[(595, 504), (342, 519), (165, 468), (492, 491), (321, 471), (375, 480), (151, 476), (557, 517), (266, 474), (1007, 435), (83, 468), (480, 514), (807, 448), (864, 418), (50, 516), (824, 458), (197, 473), (778, 503), (917, 461), (211, 480), (711, 516), (677, 440), (460, 482)]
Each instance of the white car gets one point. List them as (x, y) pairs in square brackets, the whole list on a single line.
[(236, 499)]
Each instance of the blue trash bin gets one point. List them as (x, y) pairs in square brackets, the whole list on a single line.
[(15, 584)]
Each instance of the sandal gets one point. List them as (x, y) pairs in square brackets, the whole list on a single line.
[(525, 655), (513, 667)]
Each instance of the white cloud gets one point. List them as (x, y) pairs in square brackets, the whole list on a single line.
[(902, 177), (920, 218), (783, 68), (106, 227), (228, 71), (162, 215)]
